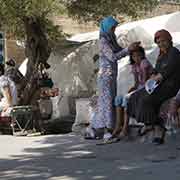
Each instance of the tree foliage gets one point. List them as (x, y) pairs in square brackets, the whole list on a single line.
[(31, 20), (96, 9), (13, 14)]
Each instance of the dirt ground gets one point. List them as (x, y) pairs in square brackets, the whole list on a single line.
[(70, 157)]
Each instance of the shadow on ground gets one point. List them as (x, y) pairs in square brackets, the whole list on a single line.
[(69, 157)]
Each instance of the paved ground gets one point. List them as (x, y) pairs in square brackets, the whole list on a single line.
[(69, 157)]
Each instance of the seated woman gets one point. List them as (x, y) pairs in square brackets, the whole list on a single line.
[(8, 93), (141, 70), (144, 106)]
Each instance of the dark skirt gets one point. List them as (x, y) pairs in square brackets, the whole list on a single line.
[(145, 107)]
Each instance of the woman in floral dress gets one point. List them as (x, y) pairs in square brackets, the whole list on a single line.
[(110, 53)]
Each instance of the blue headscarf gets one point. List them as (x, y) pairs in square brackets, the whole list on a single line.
[(105, 31), (107, 23)]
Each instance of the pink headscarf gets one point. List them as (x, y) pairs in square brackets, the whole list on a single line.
[(164, 34)]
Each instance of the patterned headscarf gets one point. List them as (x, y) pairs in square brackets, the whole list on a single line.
[(105, 31), (164, 34)]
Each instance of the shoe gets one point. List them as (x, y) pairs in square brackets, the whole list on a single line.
[(144, 130), (89, 134), (158, 141), (107, 136), (107, 139), (121, 136)]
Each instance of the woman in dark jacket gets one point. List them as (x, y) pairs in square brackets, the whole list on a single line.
[(145, 107)]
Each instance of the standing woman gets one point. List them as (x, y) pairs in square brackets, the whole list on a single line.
[(110, 53)]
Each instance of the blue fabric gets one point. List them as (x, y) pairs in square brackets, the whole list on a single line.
[(105, 27), (125, 101), (118, 101), (121, 101), (107, 23)]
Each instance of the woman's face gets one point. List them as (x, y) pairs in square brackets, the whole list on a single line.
[(163, 44), (137, 57)]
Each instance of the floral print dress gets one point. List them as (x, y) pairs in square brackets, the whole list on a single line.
[(106, 83)]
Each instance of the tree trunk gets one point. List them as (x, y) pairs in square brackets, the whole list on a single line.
[(37, 51)]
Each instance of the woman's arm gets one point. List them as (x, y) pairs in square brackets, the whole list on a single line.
[(7, 95), (157, 77), (146, 67), (107, 51), (145, 76), (136, 81), (135, 76), (171, 67), (133, 88)]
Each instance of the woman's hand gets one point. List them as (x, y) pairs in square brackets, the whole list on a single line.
[(134, 45), (158, 77), (132, 89)]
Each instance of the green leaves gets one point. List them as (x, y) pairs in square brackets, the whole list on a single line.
[(13, 12), (94, 10)]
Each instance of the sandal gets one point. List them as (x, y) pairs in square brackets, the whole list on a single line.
[(121, 136), (89, 138), (89, 134), (144, 130), (107, 139), (158, 141)]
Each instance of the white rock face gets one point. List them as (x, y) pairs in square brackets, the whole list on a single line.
[(82, 115), (74, 73)]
